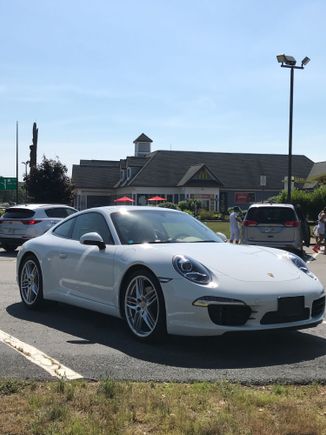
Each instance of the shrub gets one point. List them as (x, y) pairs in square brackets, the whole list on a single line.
[(190, 204), (310, 202), (206, 215), (183, 205), (168, 205)]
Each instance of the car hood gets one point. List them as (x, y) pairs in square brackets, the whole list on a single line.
[(240, 262)]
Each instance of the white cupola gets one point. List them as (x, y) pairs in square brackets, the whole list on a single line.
[(142, 145)]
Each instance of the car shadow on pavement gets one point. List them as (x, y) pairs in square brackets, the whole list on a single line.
[(308, 257), (230, 351), (4, 254)]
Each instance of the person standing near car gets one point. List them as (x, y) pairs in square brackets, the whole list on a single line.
[(320, 230), (235, 220)]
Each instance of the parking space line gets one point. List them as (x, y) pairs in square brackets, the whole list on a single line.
[(52, 366)]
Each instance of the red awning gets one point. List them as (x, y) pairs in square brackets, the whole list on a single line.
[(124, 199), (156, 198)]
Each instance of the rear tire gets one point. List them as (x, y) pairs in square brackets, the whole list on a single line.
[(31, 282)]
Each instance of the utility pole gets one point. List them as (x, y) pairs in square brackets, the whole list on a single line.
[(16, 162)]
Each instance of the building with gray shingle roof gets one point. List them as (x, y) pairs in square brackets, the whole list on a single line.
[(219, 180), (317, 172)]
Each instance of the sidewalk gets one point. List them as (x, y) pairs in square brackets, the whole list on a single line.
[(317, 263), (310, 251), (322, 250)]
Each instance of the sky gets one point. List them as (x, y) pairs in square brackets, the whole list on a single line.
[(197, 75)]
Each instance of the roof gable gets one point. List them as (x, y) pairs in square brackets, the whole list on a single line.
[(318, 170), (198, 175)]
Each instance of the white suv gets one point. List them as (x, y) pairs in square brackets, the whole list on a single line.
[(23, 222), (277, 226)]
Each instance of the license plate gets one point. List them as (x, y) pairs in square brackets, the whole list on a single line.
[(291, 306)]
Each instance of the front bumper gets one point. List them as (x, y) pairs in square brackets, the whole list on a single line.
[(258, 312)]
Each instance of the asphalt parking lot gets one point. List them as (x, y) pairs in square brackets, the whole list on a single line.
[(67, 341)]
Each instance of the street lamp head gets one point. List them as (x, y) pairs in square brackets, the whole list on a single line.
[(288, 60), (305, 61)]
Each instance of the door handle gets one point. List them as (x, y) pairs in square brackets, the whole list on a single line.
[(62, 255)]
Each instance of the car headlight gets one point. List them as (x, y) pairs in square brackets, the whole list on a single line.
[(297, 261), (192, 269)]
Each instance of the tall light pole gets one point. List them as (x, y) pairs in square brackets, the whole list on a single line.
[(17, 187), (290, 62)]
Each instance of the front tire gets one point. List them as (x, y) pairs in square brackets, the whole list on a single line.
[(144, 307), (31, 282)]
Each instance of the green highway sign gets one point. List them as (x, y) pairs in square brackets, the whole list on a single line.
[(8, 183)]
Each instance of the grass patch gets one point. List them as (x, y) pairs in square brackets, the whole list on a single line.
[(10, 387), (219, 227), (108, 406)]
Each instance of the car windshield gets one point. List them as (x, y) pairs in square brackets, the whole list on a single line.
[(149, 226), (271, 215)]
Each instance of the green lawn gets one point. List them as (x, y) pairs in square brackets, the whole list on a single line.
[(132, 408), (219, 227)]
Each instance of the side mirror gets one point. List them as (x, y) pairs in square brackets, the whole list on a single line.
[(93, 239), (222, 236)]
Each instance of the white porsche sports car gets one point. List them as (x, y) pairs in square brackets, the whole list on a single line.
[(165, 272)]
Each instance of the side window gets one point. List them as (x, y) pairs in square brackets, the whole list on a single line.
[(70, 211), (65, 229), (89, 223)]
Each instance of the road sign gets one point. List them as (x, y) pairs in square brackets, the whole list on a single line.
[(9, 183)]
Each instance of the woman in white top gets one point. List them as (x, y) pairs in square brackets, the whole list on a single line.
[(320, 230), (234, 225)]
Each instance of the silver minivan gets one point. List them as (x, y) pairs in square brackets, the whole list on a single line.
[(276, 226)]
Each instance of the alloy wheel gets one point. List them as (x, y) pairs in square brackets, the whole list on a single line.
[(142, 307), (30, 282)]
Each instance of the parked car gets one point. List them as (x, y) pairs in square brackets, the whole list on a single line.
[(275, 225), (23, 222), (163, 271)]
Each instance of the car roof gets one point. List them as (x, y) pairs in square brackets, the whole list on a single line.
[(37, 206), (116, 208), (267, 204)]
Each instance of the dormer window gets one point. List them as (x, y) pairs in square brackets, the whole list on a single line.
[(128, 173)]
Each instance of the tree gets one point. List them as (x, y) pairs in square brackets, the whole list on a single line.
[(9, 196), (48, 183), (310, 202), (33, 148)]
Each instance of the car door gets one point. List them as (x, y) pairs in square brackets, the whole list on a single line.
[(86, 272)]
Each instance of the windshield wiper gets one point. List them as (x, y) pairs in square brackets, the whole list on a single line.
[(206, 241)]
